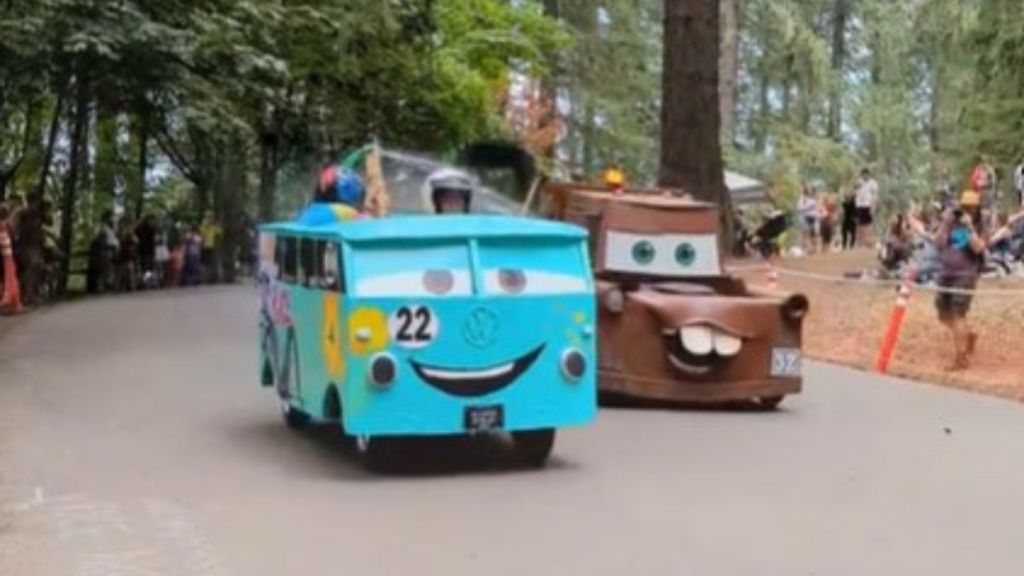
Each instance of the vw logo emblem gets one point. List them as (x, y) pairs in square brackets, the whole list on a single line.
[(481, 328)]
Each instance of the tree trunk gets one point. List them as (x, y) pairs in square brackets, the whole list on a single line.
[(39, 193), (268, 175), (78, 158), (763, 112), (728, 69), (840, 14), (787, 87), (8, 174), (135, 194), (107, 161), (691, 157), (549, 84), (935, 105), (232, 196), (587, 138)]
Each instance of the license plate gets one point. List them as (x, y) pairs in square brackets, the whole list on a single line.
[(484, 418), (785, 362)]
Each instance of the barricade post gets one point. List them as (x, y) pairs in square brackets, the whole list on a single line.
[(11, 301), (892, 332)]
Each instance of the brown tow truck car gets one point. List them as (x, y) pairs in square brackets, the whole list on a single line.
[(672, 325)]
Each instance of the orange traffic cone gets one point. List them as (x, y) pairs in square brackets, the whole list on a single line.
[(892, 332), (11, 301)]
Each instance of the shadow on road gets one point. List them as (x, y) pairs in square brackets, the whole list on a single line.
[(620, 402), (321, 451)]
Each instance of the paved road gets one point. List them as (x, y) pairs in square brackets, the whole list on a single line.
[(134, 440)]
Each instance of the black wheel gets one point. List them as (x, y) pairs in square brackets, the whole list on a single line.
[(295, 419), (269, 345), (267, 379), (332, 412), (289, 382), (375, 453), (534, 446), (768, 403)]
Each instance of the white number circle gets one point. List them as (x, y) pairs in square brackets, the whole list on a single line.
[(413, 326)]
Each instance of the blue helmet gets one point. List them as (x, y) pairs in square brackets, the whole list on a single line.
[(339, 184)]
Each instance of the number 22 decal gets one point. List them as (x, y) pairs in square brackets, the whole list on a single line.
[(413, 326)]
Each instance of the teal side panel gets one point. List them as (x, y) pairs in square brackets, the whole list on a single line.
[(308, 312)]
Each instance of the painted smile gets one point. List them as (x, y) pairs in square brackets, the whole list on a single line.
[(479, 381)]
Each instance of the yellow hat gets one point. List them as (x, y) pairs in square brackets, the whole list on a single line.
[(970, 198)]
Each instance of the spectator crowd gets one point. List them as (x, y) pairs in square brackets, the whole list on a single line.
[(123, 255)]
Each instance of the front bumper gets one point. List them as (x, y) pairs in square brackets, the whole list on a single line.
[(669, 389)]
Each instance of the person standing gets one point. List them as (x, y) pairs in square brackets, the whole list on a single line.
[(128, 257), (176, 250), (961, 251), (103, 251), (983, 182), (961, 246), (828, 221), (210, 232), (10, 295), (866, 198), (849, 226), (146, 234), (192, 274), (807, 207)]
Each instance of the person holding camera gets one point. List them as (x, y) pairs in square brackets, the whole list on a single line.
[(961, 245)]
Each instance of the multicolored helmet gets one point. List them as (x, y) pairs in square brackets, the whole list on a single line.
[(339, 184)]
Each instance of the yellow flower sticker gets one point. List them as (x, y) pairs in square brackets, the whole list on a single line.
[(367, 331), (334, 360)]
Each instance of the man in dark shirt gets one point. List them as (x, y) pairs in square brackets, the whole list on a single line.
[(961, 246), (146, 234)]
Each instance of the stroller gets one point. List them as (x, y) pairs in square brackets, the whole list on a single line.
[(1004, 258), (765, 239)]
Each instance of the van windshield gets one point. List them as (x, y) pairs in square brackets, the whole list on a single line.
[(434, 270), (534, 266)]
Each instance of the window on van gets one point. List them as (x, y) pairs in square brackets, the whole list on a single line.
[(288, 257), (307, 259), (533, 266), (328, 264), (268, 261), (387, 269)]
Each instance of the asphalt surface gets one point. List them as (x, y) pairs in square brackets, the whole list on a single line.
[(135, 440)]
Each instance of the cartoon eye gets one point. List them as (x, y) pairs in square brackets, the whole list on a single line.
[(643, 252), (685, 254), (438, 281), (511, 280)]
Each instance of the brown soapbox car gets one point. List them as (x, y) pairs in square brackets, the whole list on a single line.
[(672, 325)]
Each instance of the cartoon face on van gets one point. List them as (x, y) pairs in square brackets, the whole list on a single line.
[(453, 323), (456, 327)]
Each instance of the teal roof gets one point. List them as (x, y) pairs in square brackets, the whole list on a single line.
[(432, 227)]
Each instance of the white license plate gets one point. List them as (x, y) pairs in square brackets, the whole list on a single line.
[(785, 362)]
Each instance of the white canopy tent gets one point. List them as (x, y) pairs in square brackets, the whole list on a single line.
[(745, 190)]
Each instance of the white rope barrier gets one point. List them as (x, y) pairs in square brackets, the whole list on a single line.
[(866, 280)]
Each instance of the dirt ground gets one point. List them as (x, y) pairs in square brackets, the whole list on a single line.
[(848, 320)]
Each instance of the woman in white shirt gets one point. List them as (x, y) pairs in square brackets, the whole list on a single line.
[(809, 213)]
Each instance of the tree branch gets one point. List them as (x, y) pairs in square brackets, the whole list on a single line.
[(167, 146)]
